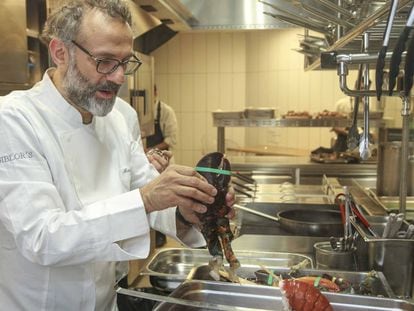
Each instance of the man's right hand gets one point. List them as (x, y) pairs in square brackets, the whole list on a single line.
[(178, 186)]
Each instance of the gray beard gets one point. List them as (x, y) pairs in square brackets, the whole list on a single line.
[(80, 92)]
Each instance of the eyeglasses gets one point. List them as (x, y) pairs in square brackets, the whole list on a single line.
[(109, 65)]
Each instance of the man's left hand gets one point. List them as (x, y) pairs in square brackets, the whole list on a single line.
[(192, 217), (160, 159)]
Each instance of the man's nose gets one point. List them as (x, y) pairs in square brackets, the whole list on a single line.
[(118, 76)]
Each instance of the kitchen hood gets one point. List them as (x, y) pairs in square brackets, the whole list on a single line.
[(330, 25), (211, 14), (195, 15), (149, 32)]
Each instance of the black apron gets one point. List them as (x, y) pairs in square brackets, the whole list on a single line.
[(157, 137)]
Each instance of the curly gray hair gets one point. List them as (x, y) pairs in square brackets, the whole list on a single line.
[(64, 23)]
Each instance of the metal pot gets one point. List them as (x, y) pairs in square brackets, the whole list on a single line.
[(312, 222), (388, 169)]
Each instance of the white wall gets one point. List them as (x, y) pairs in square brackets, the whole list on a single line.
[(197, 73)]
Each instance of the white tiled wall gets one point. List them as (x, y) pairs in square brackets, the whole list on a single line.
[(197, 73)]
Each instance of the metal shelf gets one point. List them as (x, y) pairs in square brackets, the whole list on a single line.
[(325, 122), (221, 124)]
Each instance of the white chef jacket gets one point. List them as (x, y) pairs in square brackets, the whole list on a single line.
[(68, 210)]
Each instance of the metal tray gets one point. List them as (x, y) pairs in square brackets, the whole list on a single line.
[(379, 285), (269, 298), (394, 257), (169, 267)]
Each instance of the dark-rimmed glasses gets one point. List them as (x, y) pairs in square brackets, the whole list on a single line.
[(109, 65)]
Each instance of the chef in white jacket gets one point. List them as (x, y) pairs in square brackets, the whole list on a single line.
[(77, 193)]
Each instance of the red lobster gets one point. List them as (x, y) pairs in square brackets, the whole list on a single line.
[(302, 296), (215, 168)]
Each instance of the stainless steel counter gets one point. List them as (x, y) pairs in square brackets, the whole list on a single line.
[(301, 170)]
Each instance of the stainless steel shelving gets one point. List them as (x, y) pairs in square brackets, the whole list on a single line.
[(221, 124)]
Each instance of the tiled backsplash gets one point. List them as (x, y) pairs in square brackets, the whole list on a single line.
[(200, 72)]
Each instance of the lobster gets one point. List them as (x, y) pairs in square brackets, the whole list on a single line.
[(302, 296), (215, 226)]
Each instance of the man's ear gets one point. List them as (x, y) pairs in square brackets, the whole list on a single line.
[(58, 52)]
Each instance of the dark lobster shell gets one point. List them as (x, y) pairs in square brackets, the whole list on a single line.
[(215, 225)]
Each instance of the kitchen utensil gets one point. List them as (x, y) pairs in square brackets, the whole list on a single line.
[(364, 147), (409, 68), (392, 226), (353, 135), (241, 185), (399, 48), (379, 72), (298, 22), (323, 15), (240, 191), (243, 177), (252, 211), (358, 215), (314, 222), (328, 258)]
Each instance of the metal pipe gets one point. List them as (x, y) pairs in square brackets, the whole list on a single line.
[(220, 139), (339, 28), (405, 113), (359, 58), (336, 7), (325, 16)]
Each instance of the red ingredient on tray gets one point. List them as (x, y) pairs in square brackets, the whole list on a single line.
[(302, 296)]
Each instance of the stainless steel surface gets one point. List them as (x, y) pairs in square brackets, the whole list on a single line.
[(204, 305), (390, 162), (169, 267), (394, 257), (280, 243), (405, 145), (374, 22), (270, 298), (327, 122), (340, 24), (213, 14), (380, 286), (328, 258), (343, 122)]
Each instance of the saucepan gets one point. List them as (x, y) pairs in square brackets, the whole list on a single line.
[(305, 221)]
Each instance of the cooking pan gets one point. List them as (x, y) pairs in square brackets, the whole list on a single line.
[(305, 221)]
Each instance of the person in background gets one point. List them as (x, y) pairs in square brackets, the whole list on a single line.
[(78, 194), (165, 126), (164, 138)]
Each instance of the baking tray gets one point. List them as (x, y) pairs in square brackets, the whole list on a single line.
[(270, 298), (169, 267), (379, 285)]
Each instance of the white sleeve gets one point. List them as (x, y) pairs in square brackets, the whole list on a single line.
[(35, 219)]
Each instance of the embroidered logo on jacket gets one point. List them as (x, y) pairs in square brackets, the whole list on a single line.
[(16, 156)]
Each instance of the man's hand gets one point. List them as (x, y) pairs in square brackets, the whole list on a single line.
[(178, 186), (190, 215), (160, 159)]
